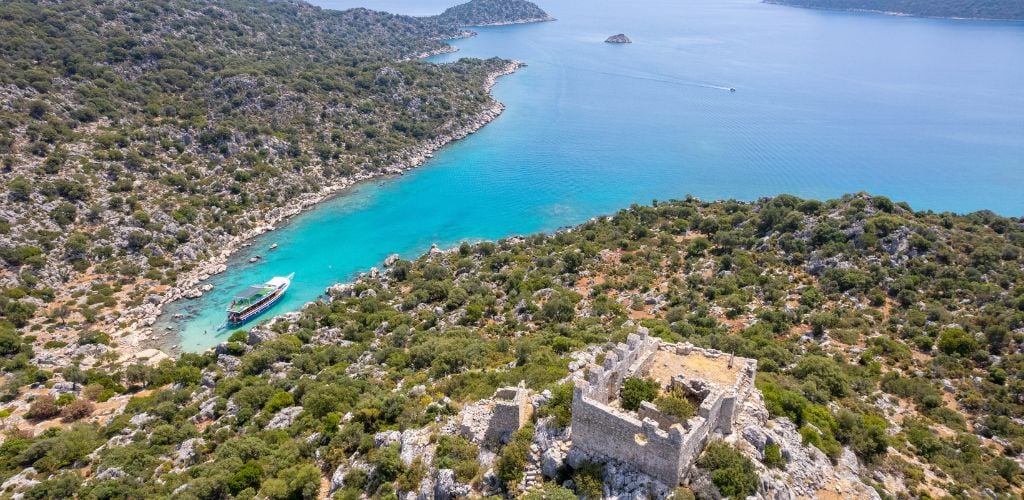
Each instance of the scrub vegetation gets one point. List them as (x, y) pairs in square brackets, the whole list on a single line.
[(892, 333)]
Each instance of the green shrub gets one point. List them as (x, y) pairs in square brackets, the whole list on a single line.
[(513, 458), (773, 456), (636, 390), (460, 455), (550, 491), (560, 405), (589, 480), (731, 472), (675, 405)]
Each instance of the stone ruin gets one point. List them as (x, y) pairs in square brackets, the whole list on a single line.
[(655, 443), (498, 418)]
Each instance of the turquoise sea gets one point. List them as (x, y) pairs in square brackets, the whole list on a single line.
[(922, 110)]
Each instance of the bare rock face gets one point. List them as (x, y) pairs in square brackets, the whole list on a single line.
[(187, 452), (620, 38), (285, 418)]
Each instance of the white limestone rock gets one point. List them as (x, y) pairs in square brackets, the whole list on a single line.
[(416, 443), (109, 474), (386, 438), (338, 479), (187, 452), (19, 481), (551, 460), (141, 419), (284, 418)]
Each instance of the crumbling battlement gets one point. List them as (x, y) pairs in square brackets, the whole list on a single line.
[(494, 420), (655, 443), (619, 363), (512, 410)]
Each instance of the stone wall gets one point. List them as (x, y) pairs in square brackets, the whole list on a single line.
[(602, 431), (653, 442), (512, 410), (623, 360)]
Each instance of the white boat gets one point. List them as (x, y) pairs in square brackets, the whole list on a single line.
[(256, 299)]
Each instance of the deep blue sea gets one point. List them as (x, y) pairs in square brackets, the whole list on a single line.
[(922, 110)]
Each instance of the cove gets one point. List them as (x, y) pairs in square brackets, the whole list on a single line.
[(922, 110)]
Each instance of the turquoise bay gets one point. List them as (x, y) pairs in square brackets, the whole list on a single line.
[(922, 110)]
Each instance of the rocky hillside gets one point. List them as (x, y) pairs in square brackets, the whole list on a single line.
[(141, 139), (890, 348), (956, 9), (493, 12)]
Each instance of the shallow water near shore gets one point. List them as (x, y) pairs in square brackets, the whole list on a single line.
[(922, 110)]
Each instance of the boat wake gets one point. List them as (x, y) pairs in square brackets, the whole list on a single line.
[(654, 77)]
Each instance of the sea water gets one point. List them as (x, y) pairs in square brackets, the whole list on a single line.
[(922, 110)]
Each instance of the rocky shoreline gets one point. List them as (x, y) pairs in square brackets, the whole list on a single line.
[(518, 21), (446, 48), (137, 336)]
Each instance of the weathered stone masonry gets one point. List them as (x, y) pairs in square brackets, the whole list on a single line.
[(494, 420), (512, 410), (652, 442)]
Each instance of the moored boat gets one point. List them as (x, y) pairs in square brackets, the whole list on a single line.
[(256, 299)]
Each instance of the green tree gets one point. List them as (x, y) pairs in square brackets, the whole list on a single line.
[(956, 341)]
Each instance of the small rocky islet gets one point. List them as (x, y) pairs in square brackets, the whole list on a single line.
[(620, 38)]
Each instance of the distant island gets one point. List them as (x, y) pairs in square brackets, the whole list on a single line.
[(620, 38), (494, 13), (1011, 10)]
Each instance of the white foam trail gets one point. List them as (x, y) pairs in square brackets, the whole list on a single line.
[(657, 78)]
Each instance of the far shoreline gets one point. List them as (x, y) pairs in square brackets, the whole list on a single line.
[(783, 3)]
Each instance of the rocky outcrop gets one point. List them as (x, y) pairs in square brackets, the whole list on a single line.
[(620, 38), (808, 473), (187, 452), (20, 481), (446, 487), (284, 418)]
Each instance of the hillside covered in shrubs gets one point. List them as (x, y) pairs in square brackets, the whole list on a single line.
[(892, 334), (139, 139)]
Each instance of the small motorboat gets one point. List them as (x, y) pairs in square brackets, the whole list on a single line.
[(273, 246)]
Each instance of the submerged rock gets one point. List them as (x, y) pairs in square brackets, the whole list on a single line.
[(620, 38)]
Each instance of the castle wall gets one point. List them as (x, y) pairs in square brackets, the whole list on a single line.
[(602, 431), (512, 410), (619, 363), (652, 442)]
